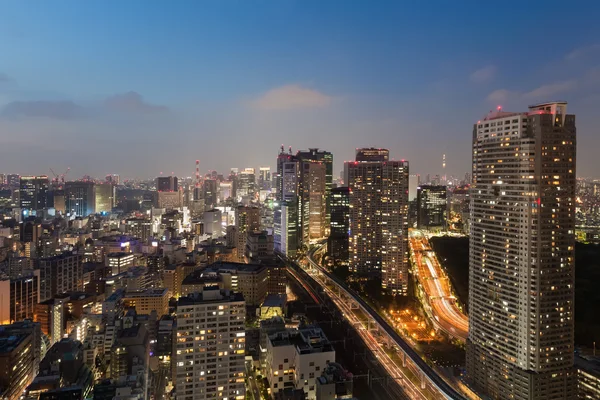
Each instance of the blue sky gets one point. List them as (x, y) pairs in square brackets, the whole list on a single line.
[(139, 87)]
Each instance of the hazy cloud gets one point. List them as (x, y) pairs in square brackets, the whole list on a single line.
[(47, 109), (582, 51), (499, 96), (290, 97), (4, 77), (483, 74), (551, 89), (132, 102)]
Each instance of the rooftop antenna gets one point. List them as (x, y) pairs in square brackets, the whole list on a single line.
[(290, 149)]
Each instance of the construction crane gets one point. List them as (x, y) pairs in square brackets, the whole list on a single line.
[(59, 179)]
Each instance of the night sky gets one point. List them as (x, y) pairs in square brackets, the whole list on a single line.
[(140, 87)]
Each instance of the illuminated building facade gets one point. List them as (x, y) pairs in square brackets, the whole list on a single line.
[(105, 197), (378, 241), (220, 335), (337, 244), (522, 257), (33, 192), (80, 198), (431, 207)]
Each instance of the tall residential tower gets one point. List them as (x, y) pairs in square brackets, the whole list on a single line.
[(521, 271), (378, 240)]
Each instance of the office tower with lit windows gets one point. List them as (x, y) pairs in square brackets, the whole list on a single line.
[(521, 272), (337, 244), (13, 180), (247, 220), (285, 228), (264, 178), (246, 183), (105, 197), (80, 198), (33, 193), (209, 355), (314, 156), (378, 241), (431, 207), (211, 194), (313, 200)]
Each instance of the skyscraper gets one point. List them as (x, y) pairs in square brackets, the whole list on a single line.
[(80, 198), (522, 257), (247, 220), (167, 184), (313, 200), (247, 183), (337, 244), (325, 158), (105, 197), (378, 242), (32, 191)]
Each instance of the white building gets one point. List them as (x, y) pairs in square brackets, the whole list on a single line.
[(210, 355), (522, 259), (296, 358)]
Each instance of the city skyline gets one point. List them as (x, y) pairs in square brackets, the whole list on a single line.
[(212, 80)]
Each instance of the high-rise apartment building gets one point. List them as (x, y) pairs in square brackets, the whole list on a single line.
[(522, 257), (209, 359), (18, 362), (80, 198), (431, 207), (337, 244), (378, 241), (33, 192)]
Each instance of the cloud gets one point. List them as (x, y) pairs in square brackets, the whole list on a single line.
[(47, 109), (291, 97), (545, 92), (483, 74), (499, 96), (132, 102), (4, 77), (551, 89), (582, 51)]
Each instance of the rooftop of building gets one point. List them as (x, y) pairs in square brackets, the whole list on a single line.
[(119, 254), (210, 295), (307, 340), (10, 342), (152, 292), (202, 276), (227, 266), (275, 300)]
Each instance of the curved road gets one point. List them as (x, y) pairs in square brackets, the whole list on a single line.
[(448, 391), (436, 286)]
